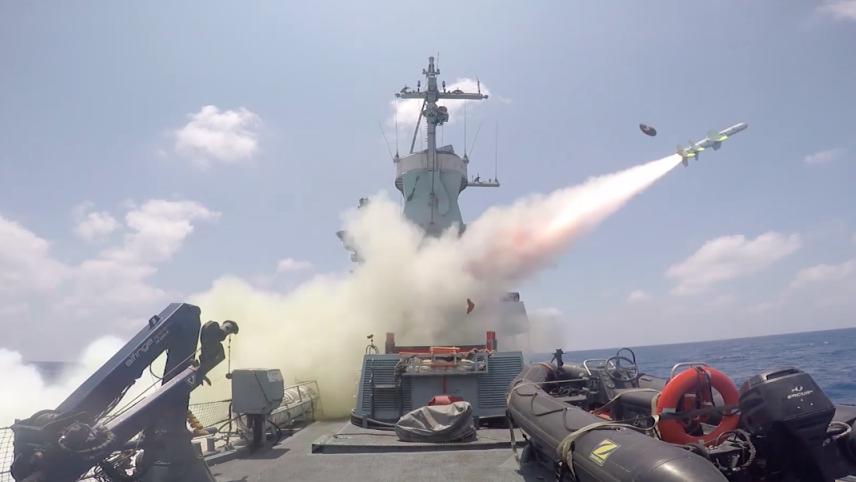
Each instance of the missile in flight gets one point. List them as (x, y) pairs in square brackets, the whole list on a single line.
[(713, 140)]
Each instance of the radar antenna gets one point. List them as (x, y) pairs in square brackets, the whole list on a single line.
[(435, 115)]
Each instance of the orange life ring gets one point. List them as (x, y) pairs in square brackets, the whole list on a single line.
[(686, 384)]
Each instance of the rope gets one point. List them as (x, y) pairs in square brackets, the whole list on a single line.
[(615, 398), (536, 384), (565, 447), (513, 439), (655, 416), (845, 431), (134, 401), (742, 439)]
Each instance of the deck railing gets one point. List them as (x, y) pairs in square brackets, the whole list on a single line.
[(300, 400)]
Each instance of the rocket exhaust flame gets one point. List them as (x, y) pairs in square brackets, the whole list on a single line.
[(522, 237), (602, 196)]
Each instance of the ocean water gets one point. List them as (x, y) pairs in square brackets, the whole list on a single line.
[(828, 356)]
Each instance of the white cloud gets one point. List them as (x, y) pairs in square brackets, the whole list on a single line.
[(96, 226), (291, 264), (637, 296), (229, 136), (158, 228), (824, 273), (119, 275), (407, 111), (721, 301), (729, 257), (26, 264), (825, 288), (825, 156), (839, 9), (99, 293), (548, 312), (822, 293)]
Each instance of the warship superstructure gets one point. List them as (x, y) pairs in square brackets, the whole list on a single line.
[(404, 378), (431, 180)]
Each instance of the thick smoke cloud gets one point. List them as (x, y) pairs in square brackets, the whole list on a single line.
[(30, 392), (413, 286)]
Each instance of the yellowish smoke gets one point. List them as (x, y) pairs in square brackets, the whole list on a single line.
[(409, 285)]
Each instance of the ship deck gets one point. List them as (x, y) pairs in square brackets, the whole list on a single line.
[(336, 450)]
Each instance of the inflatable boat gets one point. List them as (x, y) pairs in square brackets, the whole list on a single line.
[(604, 420)]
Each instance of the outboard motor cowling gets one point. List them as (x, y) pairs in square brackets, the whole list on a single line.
[(789, 416)]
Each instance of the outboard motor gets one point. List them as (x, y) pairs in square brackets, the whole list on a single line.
[(789, 417)]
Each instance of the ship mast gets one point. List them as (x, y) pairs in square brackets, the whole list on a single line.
[(435, 115)]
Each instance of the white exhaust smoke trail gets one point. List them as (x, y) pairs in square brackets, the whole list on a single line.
[(519, 239), (409, 285)]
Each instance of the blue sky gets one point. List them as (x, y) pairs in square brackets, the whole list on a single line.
[(106, 213)]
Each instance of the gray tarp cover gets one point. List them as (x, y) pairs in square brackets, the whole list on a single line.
[(438, 423)]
